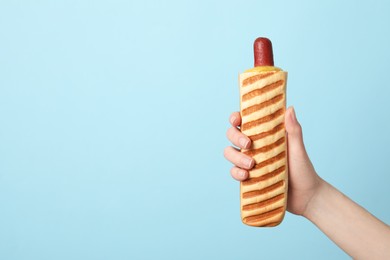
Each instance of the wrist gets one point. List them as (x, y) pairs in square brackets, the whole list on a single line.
[(315, 201)]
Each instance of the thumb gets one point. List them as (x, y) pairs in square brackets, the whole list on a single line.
[(296, 147)]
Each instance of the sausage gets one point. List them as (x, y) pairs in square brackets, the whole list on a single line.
[(263, 54)]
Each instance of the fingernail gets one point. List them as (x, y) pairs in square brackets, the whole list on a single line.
[(233, 119), (247, 162), (243, 142), (242, 173)]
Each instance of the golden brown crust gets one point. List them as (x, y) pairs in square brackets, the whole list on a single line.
[(263, 101)]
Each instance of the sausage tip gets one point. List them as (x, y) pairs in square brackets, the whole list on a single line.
[(263, 54)]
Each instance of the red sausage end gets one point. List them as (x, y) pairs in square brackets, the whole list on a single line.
[(263, 52)]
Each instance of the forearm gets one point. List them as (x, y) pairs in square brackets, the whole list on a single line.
[(352, 228)]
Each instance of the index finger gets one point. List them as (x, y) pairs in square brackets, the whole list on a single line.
[(235, 119)]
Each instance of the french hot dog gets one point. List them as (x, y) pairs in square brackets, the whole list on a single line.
[(263, 195)]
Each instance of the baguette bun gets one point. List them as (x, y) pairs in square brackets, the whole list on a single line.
[(263, 195)]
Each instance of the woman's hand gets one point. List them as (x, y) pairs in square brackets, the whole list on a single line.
[(303, 180)]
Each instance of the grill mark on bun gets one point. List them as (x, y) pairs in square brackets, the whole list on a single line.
[(260, 91)]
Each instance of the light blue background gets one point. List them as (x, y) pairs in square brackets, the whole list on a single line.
[(113, 117)]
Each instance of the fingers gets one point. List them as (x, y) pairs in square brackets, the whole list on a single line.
[(234, 135), (239, 174), (235, 119), (241, 162), (238, 138), (239, 159)]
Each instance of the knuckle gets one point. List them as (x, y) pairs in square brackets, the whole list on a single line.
[(229, 133), (226, 152), (298, 128), (233, 173), (235, 134)]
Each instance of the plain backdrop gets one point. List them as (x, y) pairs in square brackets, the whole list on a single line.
[(113, 117)]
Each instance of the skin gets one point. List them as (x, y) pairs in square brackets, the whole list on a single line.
[(357, 232)]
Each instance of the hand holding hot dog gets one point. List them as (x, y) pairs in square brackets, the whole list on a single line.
[(366, 237), (303, 178)]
